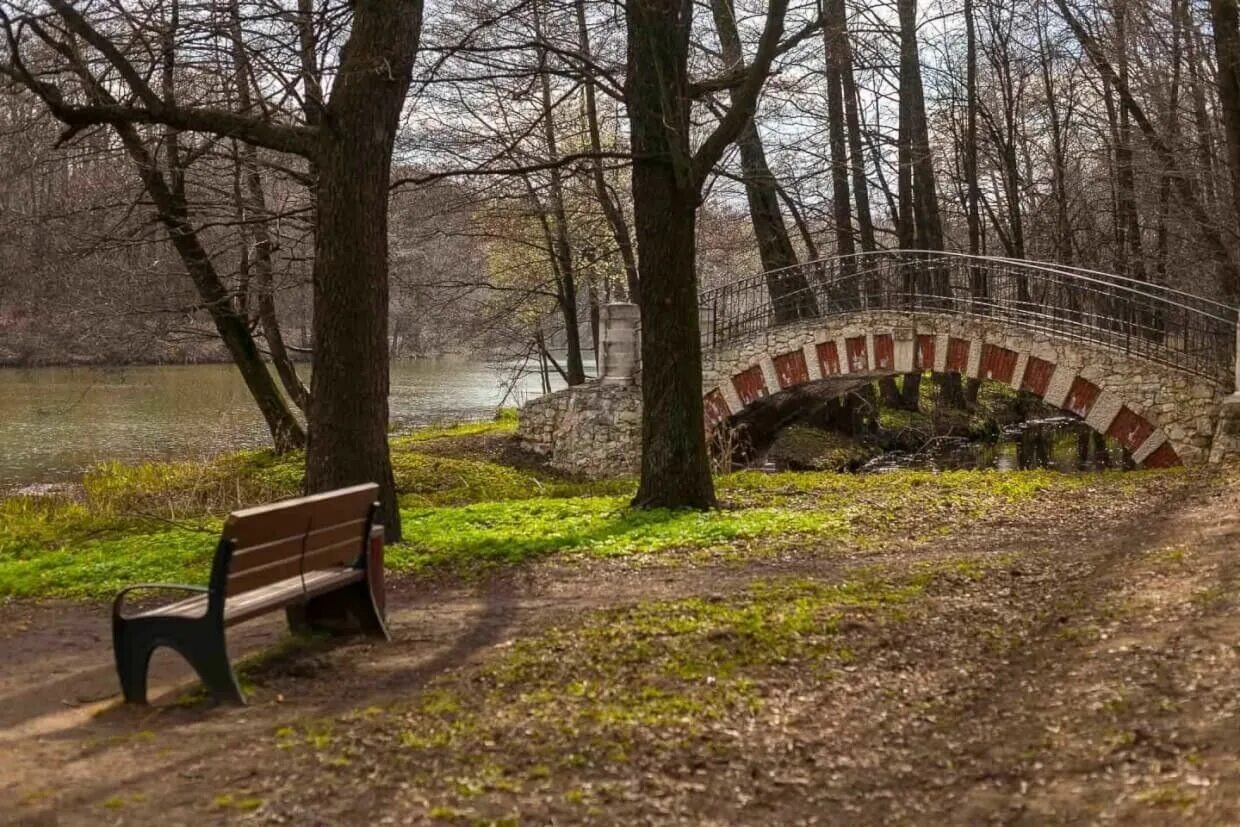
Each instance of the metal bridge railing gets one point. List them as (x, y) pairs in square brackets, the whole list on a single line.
[(1188, 332)]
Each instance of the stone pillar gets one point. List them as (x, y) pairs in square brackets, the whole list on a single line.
[(620, 347), (1234, 399)]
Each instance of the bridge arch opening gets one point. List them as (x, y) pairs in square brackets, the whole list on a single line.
[(849, 424), (1124, 400)]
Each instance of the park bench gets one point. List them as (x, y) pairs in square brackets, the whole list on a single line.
[(320, 558)]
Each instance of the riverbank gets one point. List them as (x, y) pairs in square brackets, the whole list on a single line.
[(473, 502)]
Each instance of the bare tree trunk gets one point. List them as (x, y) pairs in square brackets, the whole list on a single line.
[(232, 326), (791, 298), (1125, 175), (561, 248), (833, 35), (973, 194), (611, 209), (255, 204), (1059, 156), (856, 151), (1201, 117)]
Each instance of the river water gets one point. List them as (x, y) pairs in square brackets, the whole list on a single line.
[(55, 422)]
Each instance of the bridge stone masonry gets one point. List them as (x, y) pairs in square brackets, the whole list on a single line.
[(1151, 368)]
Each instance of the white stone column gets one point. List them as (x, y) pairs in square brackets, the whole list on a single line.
[(619, 345)]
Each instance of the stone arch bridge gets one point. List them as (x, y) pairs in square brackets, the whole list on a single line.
[(1151, 367)]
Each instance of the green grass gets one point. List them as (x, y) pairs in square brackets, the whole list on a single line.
[(505, 422), (494, 533), (160, 521)]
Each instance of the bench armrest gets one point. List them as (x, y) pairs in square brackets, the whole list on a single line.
[(120, 596)]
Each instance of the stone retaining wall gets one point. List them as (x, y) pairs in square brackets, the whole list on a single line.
[(593, 430)]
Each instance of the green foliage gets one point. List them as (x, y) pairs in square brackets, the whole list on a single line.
[(425, 480), (159, 521), (511, 532), (100, 567), (505, 422), (898, 420), (177, 489)]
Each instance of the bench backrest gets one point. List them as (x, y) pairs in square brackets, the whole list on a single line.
[(270, 543)]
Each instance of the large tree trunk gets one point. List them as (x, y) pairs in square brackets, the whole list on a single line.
[(675, 462), (1225, 15), (349, 386)]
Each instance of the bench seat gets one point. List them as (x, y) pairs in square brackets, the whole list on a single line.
[(251, 604)]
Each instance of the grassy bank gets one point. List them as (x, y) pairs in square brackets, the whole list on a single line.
[(467, 508)]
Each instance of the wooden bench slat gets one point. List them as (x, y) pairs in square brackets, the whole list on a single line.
[(259, 526), (324, 534), (258, 556), (189, 607), (260, 601), (341, 553), (257, 578), (343, 506), (326, 580)]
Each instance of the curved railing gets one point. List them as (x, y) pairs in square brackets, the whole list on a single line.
[(1175, 328)]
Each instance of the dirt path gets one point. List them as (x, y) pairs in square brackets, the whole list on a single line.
[(1093, 679)]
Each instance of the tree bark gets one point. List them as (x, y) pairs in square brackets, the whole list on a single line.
[(675, 462), (349, 386), (1225, 15)]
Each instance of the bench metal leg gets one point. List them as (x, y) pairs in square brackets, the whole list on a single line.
[(209, 657), (351, 609), (133, 650), (200, 642)]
